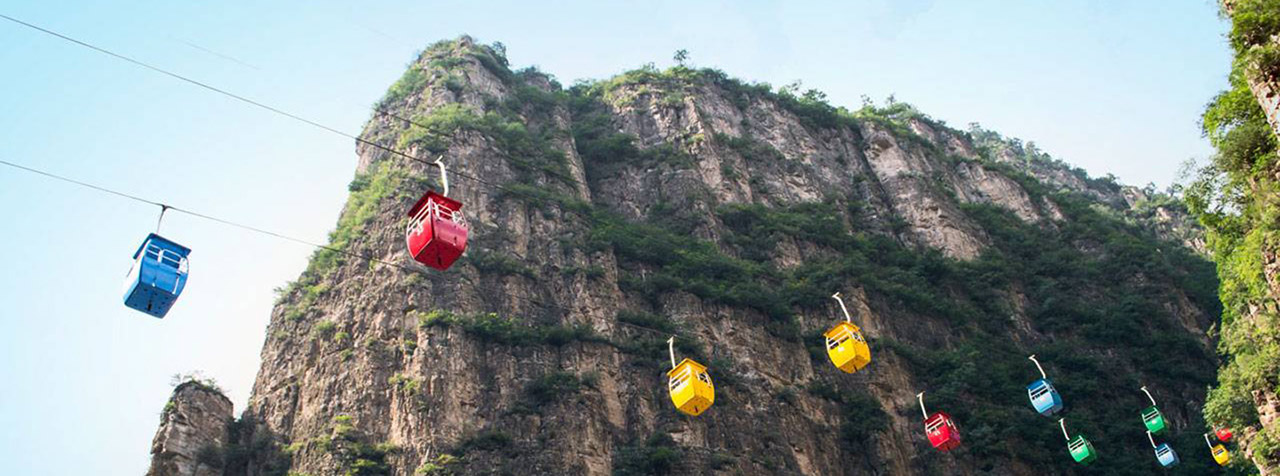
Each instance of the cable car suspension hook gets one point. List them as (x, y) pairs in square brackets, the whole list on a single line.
[(444, 176), (163, 208), (1063, 424), (671, 349), (1033, 359), (1206, 441), (1144, 390), (842, 307), (1153, 440), (920, 396)]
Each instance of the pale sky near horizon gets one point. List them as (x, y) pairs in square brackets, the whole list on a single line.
[(1112, 87)]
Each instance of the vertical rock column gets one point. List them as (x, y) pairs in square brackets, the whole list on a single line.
[(193, 432), (1267, 93)]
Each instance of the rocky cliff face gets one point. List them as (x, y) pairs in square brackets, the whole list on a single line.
[(193, 431), (611, 215), (1236, 197)]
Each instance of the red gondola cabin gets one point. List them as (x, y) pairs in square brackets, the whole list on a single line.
[(1223, 434), (942, 431), (437, 233)]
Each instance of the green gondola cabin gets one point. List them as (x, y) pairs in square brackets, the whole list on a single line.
[(1082, 450), (1153, 419)]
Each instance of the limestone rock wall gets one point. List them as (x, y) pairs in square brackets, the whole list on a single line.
[(540, 352), (193, 431)]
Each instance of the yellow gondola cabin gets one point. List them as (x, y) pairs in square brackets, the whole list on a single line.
[(846, 347), (1219, 452), (1220, 455), (691, 389)]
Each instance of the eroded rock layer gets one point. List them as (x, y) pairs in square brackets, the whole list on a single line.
[(609, 216)]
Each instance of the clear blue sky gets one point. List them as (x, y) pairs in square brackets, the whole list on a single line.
[(1114, 87)]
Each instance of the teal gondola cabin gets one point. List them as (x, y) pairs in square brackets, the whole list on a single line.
[(1166, 456), (1044, 398)]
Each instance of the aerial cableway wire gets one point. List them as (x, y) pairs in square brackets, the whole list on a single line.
[(282, 236), (383, 111), (261, 105), (289, 115)]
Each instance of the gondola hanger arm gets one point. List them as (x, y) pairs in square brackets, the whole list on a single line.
[(1038, 367), (671, 349), (444, 174), (1149, 397), (842, 307), (163, 208)]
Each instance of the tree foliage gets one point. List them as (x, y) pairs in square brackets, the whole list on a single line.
[(1235, 197)]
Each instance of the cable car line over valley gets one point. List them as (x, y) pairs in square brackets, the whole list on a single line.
[(254, 229), (246, 100), (436, 236), (166, 207)]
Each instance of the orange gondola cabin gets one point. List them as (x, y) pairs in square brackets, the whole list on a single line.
[(437, 233)]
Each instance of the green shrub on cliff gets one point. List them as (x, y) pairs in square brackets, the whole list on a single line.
[(1235, 199)]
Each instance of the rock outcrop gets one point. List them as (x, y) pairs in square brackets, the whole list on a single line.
[(1235, 197), (193, 432), (608, 216), (1262, 78)]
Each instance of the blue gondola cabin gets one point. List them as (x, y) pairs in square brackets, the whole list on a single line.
[(437, 233), (1044, 398), (157, 277), (1166, 456)]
